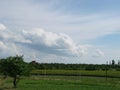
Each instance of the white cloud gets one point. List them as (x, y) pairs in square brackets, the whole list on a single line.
[(43, 41), (48, 43), (2, 46), (98, 53), (55, 43), (6, 49), (80, 27), (2, 27)]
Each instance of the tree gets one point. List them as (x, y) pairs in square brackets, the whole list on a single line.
[(90, 67), (113, 62), (118, 62), (14, 67)]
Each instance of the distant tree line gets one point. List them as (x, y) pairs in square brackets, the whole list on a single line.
[(15, 67), (53, 66)]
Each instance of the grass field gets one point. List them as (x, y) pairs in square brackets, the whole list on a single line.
[(64, 83), (98, 73)]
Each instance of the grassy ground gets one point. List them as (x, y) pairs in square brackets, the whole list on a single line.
[(64, 83), (98, 73)]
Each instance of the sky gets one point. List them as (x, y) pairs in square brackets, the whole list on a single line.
[(60, 31)]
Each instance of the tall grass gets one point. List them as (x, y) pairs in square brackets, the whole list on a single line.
[(65, 83), (77, 73)]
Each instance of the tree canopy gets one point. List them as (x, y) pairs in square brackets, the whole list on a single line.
[(14, 66)]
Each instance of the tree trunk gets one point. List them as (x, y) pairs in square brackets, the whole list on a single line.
[(14, 82)]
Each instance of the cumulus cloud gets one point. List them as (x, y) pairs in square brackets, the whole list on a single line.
[(2, 46), (50, 42), (2, 27), (41, 41)]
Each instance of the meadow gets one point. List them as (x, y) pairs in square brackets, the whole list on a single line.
[(66, 82), (95, 73)]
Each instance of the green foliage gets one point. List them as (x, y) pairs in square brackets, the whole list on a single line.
[(67, 83), (90, 67), (97, 73), (113, 62), (61, 66), (14, 67)]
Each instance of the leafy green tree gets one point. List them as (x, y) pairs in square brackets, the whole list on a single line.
[(113, 62), (90, 67), (14, 67)]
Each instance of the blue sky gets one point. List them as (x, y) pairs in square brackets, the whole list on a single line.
[(109, 41), (60, 31)]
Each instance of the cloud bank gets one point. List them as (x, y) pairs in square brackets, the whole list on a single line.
[(60, 43), (42, 41)]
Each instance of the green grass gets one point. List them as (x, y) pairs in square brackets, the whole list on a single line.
[(67, 80), (64, 83), (77, 72)]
